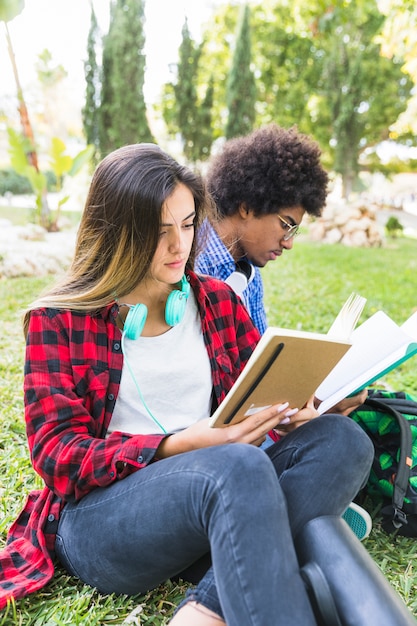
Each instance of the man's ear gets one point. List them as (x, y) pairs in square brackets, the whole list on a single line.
[(244, 211)]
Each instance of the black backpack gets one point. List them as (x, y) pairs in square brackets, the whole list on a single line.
[(390, 420)]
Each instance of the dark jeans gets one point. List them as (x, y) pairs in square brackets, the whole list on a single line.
[(241, 503)]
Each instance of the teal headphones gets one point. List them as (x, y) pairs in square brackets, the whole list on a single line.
[(135, 321), (174, 311)]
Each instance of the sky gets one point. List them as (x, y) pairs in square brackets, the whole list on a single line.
[(62, 27)]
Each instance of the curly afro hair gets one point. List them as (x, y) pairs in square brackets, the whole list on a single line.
[(270, 169)]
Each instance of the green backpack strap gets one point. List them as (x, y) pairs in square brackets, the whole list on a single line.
[(392, 407)]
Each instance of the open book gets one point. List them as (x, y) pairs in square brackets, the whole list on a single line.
[(379, 345), (290, 365)]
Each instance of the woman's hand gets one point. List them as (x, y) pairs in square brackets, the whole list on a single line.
[(252, 429), (297, 418)]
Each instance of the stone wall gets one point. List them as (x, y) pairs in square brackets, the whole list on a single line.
[(353, 225)]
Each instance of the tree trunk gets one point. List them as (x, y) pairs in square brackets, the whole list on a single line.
[(347, 184), (27, 130), (23, 112)]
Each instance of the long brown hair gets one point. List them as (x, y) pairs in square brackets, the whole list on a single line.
[(119, 229)]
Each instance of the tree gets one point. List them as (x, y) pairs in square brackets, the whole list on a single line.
[(319, 66), (362, 92), (184, 112), (399, 38), (185, 91), (287, 69), (9, 9), (122, 108), (92, 95), (241, 88)]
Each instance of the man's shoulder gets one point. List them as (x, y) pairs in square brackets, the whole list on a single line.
[(213, 257)]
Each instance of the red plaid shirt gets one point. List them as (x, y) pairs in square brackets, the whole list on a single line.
[(72, 375)]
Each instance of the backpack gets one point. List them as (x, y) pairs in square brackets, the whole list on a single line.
[(390, 420)]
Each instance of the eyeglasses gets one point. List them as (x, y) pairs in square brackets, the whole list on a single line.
[(291, 230)]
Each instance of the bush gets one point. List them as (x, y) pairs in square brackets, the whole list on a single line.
[(393, 226), (11, 182)]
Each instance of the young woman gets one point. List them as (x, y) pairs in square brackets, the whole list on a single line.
[(126, 359)]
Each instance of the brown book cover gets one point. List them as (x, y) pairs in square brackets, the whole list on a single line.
[(286, 366)]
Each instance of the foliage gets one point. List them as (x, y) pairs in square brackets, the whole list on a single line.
[(122, 108), (14, 183), (212, 73), (185, 93), (241, 88), (363, 92), (61, 165), (286, 69), (399, 35), (185, 111), (92, 95), (399, 38), (9, 9), (318, 66), (393, 227), (49, 75), (372, 163), (301, 292)]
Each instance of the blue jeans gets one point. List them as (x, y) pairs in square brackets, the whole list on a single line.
[(242, 504)]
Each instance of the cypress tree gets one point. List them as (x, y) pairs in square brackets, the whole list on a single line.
[(192, 115), (185, 92), (92, 78), (241, 88), (123, 117)]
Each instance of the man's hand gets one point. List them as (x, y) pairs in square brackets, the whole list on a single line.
[(346, 406)]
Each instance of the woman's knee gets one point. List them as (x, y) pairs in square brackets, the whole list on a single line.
[(242, 468)]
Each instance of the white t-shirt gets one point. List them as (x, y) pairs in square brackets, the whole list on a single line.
[(172, 373)]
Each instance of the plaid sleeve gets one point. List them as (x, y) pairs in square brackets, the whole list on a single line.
[(66, 390)]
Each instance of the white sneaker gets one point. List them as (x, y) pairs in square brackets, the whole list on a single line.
[(359, 520)]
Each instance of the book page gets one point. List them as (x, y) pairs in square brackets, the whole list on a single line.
[(410, 326), (377, 345), (347, 317)]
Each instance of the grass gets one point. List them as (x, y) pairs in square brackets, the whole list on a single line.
[(21, 216), (304, 289)]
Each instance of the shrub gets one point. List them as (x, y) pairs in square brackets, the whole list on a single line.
[(393, 226), (11, 182)]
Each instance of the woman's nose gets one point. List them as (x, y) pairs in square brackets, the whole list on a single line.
[(177, 241)]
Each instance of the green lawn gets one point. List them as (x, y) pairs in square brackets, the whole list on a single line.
[(304, 289)]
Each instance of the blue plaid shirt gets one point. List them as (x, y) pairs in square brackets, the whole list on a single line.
[(215, 260)]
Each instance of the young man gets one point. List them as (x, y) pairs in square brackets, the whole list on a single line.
[(262, 184)]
